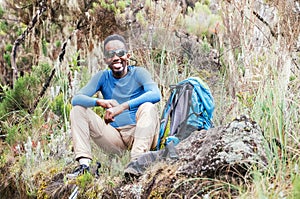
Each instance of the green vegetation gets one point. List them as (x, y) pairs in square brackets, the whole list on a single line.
[(26, 89), (252, 72), (201, 21)]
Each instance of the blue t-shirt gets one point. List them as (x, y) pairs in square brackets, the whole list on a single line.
[(136, 88)]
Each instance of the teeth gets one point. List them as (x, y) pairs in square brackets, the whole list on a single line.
[(118, 64)]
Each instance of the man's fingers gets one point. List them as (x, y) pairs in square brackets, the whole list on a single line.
[(114, 103), (108, 117)]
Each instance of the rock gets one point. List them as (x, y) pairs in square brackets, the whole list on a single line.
[(235, 147), (208, 159), (210, 164)]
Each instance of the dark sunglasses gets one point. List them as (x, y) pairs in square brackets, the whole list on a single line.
[(118, 52)]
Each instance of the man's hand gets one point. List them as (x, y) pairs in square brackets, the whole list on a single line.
[(107, 103), (114, 111)]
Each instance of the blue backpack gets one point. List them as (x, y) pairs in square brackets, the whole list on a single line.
[(190, 107)]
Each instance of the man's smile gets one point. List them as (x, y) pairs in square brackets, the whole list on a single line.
[(117, 65)]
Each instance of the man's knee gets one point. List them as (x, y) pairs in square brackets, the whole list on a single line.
[(148, 107), (77, 111)]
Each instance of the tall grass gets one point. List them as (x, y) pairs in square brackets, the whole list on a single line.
[(259, 77)]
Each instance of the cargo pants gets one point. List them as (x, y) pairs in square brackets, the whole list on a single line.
[(139, 138)]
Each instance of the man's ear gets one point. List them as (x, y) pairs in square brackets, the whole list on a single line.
[(128, 55), (105, 60)]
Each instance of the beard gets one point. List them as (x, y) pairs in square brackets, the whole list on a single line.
[(119, 67)]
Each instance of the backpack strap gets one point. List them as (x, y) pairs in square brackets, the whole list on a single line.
[(177, 109), (165, 117)]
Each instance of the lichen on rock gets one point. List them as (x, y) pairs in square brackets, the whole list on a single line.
[(209, 160), (240, 144)]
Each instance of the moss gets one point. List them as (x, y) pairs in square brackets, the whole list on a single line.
[(91, 193), (84, 180), (42, 181), (122, 5), (41, 191), (53, 171)]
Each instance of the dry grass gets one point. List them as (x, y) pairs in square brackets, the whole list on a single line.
[(255, 72)]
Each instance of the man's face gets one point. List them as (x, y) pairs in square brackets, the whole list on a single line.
[(116, 58)]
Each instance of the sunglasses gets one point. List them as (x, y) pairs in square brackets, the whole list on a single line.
[(112, 53)]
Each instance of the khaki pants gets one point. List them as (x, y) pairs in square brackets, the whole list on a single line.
[(140, 138)]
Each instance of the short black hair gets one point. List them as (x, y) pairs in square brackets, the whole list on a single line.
[(114, 37)]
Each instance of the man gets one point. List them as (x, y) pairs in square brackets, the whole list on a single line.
[(131, 119)]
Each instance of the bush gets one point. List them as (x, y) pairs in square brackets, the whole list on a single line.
[(59, 107)]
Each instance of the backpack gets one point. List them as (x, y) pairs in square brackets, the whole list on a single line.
[(190, 107)]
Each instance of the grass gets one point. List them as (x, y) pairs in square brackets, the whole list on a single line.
[(259, 78)]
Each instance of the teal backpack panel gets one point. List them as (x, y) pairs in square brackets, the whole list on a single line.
[(190, 107)]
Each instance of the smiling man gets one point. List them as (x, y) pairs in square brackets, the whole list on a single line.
[(131, 119)]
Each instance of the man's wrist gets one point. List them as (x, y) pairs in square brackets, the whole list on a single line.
[(99, 102), (125, 106)]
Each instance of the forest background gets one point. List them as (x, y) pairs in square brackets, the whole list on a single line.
[(248, 52)]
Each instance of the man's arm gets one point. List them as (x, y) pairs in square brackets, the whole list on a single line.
[(151, 91), (114, 111), (85, 95), (107, 103), (152, 94)]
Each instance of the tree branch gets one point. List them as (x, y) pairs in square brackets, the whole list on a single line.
[(60, 59), (22, 38), (264, 22)]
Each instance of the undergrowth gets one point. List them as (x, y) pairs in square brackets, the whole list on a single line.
[(257, 74)]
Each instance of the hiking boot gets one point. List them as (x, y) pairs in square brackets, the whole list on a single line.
[(132, 171), (81, 169), (96, 170)]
